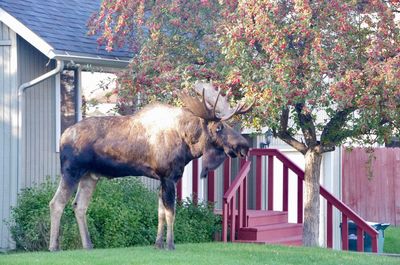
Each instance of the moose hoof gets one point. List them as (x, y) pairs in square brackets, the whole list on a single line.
[(90, 247), (54, 249), (171, 246), (159, 245)]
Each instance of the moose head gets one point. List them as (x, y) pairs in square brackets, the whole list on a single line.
[(215, 110)]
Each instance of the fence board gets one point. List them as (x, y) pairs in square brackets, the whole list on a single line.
[(370, 190)]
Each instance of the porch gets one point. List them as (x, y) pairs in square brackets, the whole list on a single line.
[(267, 221)]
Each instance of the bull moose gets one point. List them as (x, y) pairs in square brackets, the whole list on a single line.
[(157, 142)]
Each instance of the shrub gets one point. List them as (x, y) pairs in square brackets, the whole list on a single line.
[(195, 223), (30, 220), (122, 213)]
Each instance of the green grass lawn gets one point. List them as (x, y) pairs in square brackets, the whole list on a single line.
[(207, 253), (392, 240)]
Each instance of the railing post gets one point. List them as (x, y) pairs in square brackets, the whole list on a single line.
[(270, 183), (240, 206), (374, 239), (258, 183), (227, 174), (242, 162), (329, 225), (345, 233), (299, 200), (179, 190), (233, 217), (225, 214), (360, 239), (195, 180), (245, 202), (238, 188), (211, 187), (285, 199)]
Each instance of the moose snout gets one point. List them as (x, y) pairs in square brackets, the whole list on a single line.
[(242, 150), (239, 150)]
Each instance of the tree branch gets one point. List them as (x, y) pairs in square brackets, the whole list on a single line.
[(285, 135), (333, 132), (307, 125)]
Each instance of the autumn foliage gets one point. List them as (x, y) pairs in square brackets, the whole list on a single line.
[(324, 58)]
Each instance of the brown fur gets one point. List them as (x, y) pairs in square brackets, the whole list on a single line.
[(157, 142)]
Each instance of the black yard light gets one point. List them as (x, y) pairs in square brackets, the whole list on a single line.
[(268, 138)]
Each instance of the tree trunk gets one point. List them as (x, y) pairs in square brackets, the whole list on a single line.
[(313, 160)]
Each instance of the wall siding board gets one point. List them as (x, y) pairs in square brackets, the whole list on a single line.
[(7, 135), (14, 127), (8, 123), (2, 143), (2, 130)]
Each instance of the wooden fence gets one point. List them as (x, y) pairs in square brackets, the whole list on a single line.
[(371, 183)]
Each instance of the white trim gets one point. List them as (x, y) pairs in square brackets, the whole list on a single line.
[(26, 33), (5, 42), (78, 93), (58, 111), (96, 60)]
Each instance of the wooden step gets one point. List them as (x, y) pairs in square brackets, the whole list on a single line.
[(259, 218), (286, 241), (270, 233), (262, 217)]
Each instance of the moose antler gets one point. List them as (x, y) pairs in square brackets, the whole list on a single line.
[(213, 106), (197, 107), (219, 103)]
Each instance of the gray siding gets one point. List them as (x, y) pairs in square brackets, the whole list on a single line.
[(38, 152), (8, 130)]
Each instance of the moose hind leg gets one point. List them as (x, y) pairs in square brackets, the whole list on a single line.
[(57, 205), (81, 204), (161, 220), (168, 199)]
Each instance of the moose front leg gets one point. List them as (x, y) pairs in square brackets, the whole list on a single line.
[(166, 209), (170, 217)]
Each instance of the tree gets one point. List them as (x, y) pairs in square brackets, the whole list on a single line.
[(328, 70), (173, 41)]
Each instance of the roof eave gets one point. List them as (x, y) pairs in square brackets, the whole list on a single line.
[(89, 61)]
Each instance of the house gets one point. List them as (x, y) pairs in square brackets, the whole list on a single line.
[(44, 48)]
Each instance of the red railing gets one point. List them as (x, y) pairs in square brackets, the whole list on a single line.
[(346, 212), (287, 165), (238, 190), (240, 182)]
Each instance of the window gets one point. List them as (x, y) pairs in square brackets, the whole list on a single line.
[(68, 101)]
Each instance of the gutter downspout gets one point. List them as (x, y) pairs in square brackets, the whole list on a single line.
[(21, 104)]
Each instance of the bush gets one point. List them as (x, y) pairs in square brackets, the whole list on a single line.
[(122, 213), (195, 223)]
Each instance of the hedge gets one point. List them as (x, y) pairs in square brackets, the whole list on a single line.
[(122, 213)]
